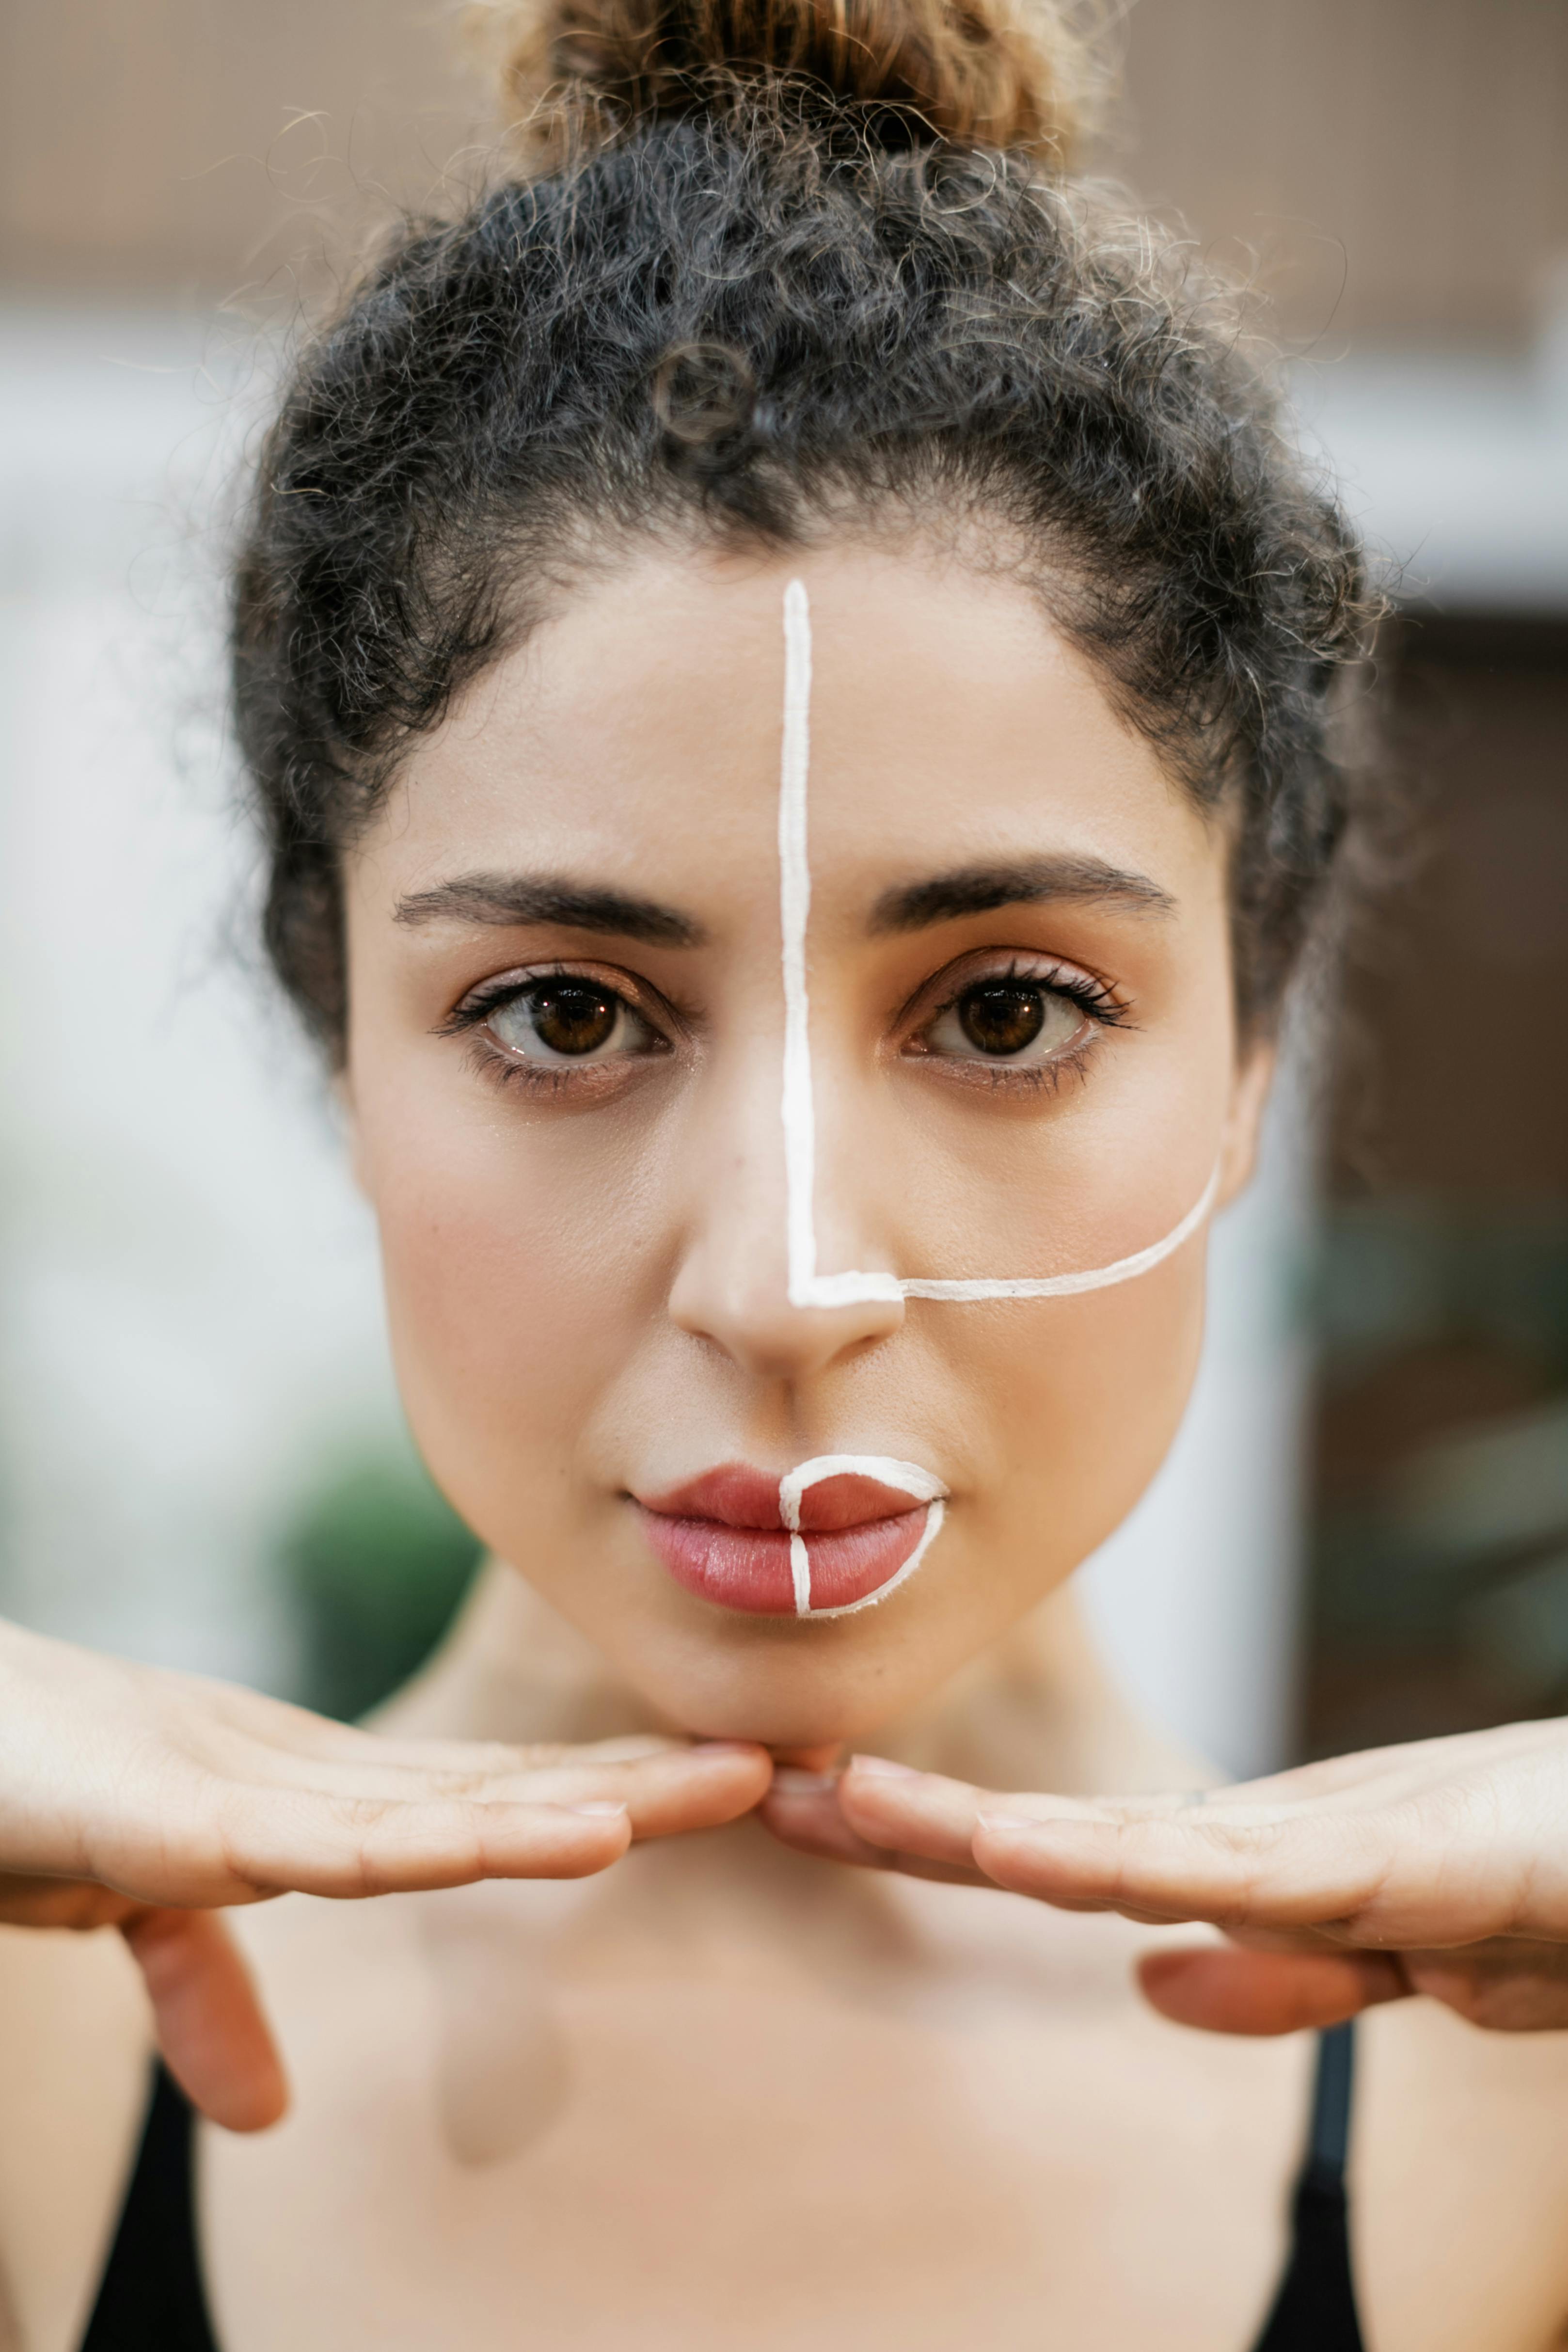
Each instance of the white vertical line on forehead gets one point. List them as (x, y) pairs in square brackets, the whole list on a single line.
[(808, 1287), (794, 907)]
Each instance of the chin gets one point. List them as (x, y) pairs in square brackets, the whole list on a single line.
[(810, 1710), (777, 1681)]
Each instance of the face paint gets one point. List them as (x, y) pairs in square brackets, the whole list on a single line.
[(832, 1536), (908, 1476), (951, 731), (807, 1287)]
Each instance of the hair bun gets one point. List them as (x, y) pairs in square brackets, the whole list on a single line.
[(996, 73)]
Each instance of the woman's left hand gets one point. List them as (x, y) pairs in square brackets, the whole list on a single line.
[(1438, 1868)]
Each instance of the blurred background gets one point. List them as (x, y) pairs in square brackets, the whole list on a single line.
[(1363, 1531)]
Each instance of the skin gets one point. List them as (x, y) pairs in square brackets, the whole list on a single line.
[(642, 1206), (622, 2044), (1325, 1878)]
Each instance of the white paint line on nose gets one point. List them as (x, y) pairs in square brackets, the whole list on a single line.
[(794, 907), (808, 1287)]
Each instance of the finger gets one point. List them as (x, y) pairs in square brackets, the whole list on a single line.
[(1514, 1987), (670, 1788), (243, 1843), (1388, 1879), (914, 1814), (1156, 1859), (34, 1901), (682, 1789), (1383, 1775), (208, 2019), (1223, 1991), (1341, 1875), (288, 1743), (801, 1810), (928, 1816), (292, 1842)]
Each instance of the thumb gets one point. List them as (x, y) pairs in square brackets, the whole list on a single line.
[(1223, 1991), (210, 2027)]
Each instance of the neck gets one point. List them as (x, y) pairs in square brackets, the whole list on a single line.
[(1037, 1710)]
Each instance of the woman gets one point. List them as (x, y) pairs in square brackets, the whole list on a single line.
[(786, 603)]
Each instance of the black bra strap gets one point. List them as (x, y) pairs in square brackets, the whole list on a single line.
[(1329, 2141), (1315, 2308), (151, 2298)]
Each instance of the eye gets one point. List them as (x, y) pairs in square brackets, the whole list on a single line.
[(1007, 1020), (567, 1018)]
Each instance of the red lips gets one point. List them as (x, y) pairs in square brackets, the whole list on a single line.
[(736, 1496), (723, 1535)]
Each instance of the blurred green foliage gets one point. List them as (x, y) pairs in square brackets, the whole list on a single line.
[(375, 1561), (1439, 1597), (1399, 1272)]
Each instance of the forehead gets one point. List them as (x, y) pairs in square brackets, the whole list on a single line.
[(640, 730)]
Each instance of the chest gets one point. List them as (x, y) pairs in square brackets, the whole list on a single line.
[(784, 2145)]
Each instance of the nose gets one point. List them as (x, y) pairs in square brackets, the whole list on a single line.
[(731, 1285)]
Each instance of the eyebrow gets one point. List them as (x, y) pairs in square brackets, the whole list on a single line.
[(1032, 882), (510, 898)]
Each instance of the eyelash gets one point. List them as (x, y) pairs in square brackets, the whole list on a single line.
[(1095, 998), (1097, 1001), (468, 1018)]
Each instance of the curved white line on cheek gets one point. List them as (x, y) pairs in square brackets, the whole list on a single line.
[(908, 1478), (1073, 1286)]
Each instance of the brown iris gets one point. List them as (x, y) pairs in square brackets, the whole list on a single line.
[(1001, 1018), (571, 1016)]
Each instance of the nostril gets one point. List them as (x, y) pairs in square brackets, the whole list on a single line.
[(756, 1328)]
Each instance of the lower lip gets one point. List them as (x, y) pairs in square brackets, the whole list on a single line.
[(749, 1567)]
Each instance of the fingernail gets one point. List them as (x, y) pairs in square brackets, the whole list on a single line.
[(789, 1780), (883, 1768), (1011, 1823), (598, 1811)]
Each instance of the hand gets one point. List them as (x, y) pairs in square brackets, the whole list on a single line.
[(1437, 1868), (146, 1801)]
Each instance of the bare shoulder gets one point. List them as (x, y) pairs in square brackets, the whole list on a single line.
[(74, 2048), (1461, 2180)]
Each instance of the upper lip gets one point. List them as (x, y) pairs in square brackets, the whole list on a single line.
[(736, 1496)]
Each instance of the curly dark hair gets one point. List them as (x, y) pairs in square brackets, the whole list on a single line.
[(757, 290)]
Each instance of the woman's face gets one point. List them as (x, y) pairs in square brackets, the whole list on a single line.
[(566, 1068)]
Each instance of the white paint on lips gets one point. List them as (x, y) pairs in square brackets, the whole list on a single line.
[(905, 1477)]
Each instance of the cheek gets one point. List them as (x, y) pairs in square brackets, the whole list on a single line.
[(520, 1263), (1086, 1398)]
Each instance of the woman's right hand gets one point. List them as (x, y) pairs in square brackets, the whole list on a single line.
[(146, 1801)]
